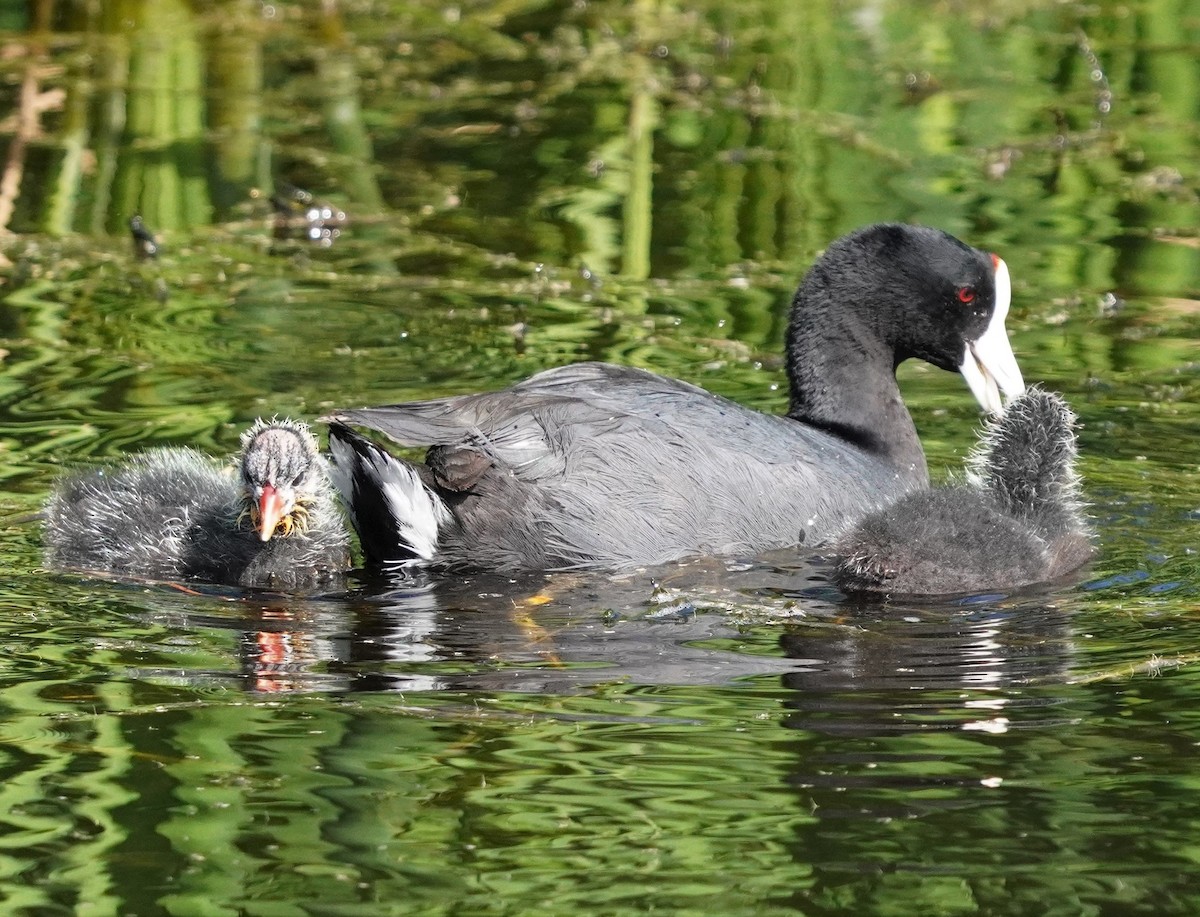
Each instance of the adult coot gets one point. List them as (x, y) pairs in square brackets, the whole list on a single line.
[(601, 466), (1020, 521), (272, 522)]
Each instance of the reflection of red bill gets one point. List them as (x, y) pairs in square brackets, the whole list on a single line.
[(273, 648), (271, 508), (270, 669)]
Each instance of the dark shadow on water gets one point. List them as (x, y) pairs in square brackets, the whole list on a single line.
[(916, 727), (416, 632), (699, 623), (889, 669), (970, 641)]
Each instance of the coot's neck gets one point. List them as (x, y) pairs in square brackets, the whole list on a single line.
[(843, 380)]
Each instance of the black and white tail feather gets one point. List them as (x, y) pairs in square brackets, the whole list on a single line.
[(397, 516)]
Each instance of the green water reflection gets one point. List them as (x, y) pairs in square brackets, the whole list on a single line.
[(524, 184)]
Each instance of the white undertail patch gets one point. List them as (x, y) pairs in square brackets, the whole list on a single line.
[(417, 511)]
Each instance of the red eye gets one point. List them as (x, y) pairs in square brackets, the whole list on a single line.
[(966, 294)]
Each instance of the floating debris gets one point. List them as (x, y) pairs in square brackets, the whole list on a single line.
[(298, 215), (145, 246), (1104, 94)]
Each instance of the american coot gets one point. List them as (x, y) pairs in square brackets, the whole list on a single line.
[(1019, 522), (272, 522), (600, 466)]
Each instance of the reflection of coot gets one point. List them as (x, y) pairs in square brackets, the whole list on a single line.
[(1020, 523), (173, 513), (936, 647), (901, 728), (600, 466)]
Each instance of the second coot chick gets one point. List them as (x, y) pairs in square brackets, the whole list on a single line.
[(1019, 521), (271, 522)]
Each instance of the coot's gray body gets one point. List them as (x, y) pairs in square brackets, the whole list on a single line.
[(601, 466), (1020, 520), (271, 521), (797, 485)]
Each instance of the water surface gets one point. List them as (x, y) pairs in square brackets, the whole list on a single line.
[(503, 187)]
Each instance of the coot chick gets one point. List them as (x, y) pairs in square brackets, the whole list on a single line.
[(1019, 521), (271, 522), (604, 467)]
